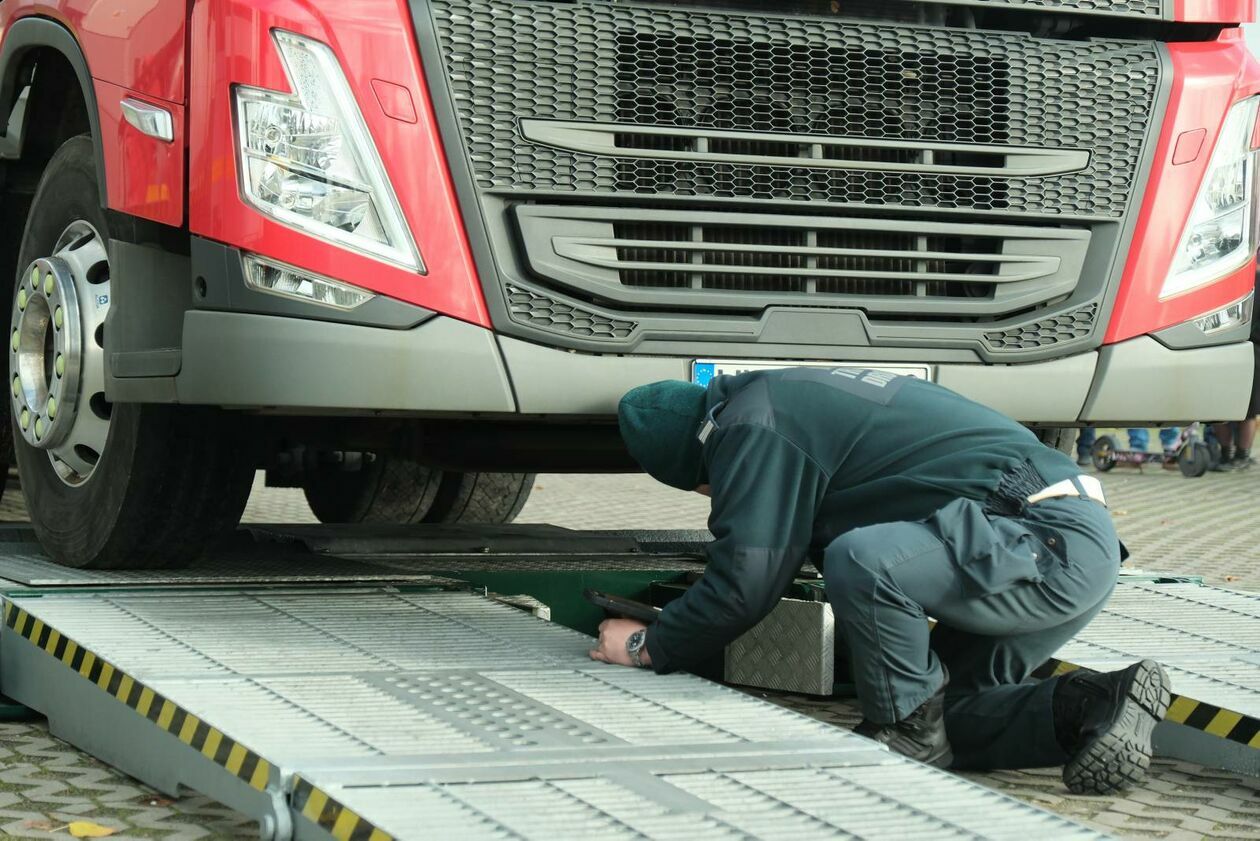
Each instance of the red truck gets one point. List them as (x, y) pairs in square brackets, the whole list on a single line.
[(400, 254)]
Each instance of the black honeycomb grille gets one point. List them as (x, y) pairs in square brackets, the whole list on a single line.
[(628, 65), (546, 313), (758, 84), (1063, 327)]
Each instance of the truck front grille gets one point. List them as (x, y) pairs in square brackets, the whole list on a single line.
[(651, 164), (742, 79), (609, 64), (687, 259), (804, 260)]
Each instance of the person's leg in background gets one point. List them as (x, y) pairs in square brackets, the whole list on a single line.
[(1247, 428), (1084, 444), (1246, 437), (1168, 437), (1225, 435), (1139, 439)]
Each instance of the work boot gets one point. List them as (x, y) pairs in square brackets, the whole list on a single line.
[(1243, 460), (1104, 723), (920, 735)]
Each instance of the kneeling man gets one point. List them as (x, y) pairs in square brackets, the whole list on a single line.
[(920, 503)]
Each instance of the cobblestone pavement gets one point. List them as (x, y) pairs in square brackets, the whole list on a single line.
[(1208, 527)]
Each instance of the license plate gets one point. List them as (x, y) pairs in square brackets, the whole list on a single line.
[(703, 370)]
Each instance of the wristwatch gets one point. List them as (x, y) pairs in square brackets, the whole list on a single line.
[(634, 647)]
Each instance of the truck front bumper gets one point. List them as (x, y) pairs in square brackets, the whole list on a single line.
[(447, 366)]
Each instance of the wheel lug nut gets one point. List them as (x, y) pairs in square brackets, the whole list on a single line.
[(39, 428), (25, 419), (17, 386), (35, 277), (60, 365), (22, 299), (59, 318), (49, 284), (52, 408), (15, 340)]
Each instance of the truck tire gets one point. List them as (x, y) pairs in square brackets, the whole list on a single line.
[(385, 489), (1061, 438), (394, 489), (107, 486), (480, 497)]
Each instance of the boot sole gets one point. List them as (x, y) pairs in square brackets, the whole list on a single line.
[(1119, 757)]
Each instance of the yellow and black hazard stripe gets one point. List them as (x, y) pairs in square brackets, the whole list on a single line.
[(334, 818), (1211, 719), (212, 743)]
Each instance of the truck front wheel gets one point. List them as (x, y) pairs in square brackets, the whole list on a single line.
[(107, 485)]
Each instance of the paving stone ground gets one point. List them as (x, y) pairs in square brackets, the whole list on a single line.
[(1208, 526)]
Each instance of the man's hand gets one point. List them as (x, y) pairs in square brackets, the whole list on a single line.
[(612, 642)]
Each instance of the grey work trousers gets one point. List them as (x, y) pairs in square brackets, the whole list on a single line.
[(1007, 593)]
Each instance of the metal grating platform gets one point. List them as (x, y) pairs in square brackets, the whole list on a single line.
[(33, 569), (1209, 640), (375, 713), (289, 554)]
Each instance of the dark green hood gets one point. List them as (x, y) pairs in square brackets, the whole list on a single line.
[(659, 424)]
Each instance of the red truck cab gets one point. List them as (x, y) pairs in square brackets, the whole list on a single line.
[(401, 254)]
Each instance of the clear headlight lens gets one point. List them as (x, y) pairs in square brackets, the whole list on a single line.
[(276, 278), (309, 161), (1220, 234)]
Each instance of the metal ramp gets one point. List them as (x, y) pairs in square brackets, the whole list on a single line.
[(373, 713), (1209, 640)]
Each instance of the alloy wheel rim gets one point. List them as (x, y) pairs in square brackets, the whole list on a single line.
[(56, 353)]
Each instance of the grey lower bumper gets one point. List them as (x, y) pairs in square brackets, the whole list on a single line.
[(443, 365), (1139, 380), (1142, 381), (550, 381), (242, 360)]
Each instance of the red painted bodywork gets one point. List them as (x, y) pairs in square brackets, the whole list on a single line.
[(1206, 79), (136, 44), (137, 48), (132, 49), (144, 174), (231, 44), (1214, 11)]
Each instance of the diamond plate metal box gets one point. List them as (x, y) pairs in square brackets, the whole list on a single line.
[(792, 649)]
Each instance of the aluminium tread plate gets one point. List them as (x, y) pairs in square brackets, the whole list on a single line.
[(1207, 637), (444, 714)]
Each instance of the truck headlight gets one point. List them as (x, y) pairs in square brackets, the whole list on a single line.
[(1220, 234), (308, 160)]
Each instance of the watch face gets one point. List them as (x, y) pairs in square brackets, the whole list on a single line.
[(635, 641)]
